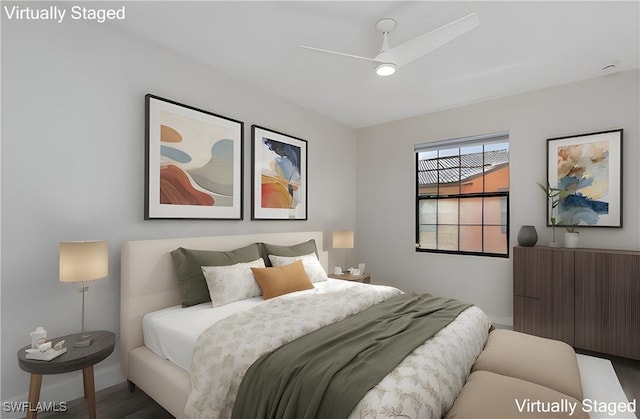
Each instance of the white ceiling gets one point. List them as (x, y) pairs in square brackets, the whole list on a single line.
[(519, 46)]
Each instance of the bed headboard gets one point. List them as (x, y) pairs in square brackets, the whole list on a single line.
[(148, 280)]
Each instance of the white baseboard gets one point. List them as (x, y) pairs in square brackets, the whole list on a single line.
[(65, 387), (501, 322)]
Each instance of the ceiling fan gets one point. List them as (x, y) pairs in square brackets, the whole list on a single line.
[(389, 59)]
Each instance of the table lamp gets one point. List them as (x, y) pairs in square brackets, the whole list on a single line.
[(80, 262), (343, 239)]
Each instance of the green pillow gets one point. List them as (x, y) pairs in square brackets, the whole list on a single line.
[(188, 264), (299, 249)]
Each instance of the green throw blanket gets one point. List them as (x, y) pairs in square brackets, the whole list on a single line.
[(324, 374)]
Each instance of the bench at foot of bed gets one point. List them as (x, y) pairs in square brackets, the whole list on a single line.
[(519, 375)]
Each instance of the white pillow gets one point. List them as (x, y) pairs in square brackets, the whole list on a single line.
[(312, 266), (232, 282)]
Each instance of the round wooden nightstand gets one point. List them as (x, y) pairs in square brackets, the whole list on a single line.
[(74, 359)]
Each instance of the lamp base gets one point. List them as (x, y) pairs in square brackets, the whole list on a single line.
[(83, 342)]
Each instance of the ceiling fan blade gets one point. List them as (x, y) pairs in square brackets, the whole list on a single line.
[(423, 44), (338, 53)]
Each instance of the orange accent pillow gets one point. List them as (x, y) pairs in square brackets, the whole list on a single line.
[(282, 280)]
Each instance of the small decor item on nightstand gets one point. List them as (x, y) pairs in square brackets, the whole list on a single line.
[(38, 337), (80, 262), (337, 270), (45, 352), (354, 271), (527, 236)]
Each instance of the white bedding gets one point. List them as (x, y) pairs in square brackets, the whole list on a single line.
[(171, 333), (424, 384)]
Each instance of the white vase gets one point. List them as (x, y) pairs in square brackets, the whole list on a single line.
[(571, 240)]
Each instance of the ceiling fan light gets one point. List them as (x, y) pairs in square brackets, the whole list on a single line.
[(385, 69)]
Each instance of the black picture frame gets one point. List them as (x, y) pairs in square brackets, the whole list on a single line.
[(279, 175), (588, 169), (193, 162)]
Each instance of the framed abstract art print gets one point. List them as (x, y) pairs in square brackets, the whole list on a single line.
[(588, 168), (279, 178), (193, 162)]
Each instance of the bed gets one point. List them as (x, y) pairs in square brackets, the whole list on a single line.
[(149, 285)]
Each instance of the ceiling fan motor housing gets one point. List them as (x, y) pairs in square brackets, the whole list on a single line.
[(386, 25)]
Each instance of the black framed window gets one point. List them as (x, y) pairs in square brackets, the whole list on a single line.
[(462, 196)]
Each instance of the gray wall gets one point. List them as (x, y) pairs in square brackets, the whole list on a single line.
[(386, 184), (73, 169)]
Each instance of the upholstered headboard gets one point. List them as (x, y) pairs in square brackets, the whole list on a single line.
[(148, 280)]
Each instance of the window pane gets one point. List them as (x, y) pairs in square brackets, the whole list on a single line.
[(495, 239), (428, 211), (471, 238), (427, 182), (497, 146), (447, 237), (449, 189), (449, 181), (427, 164), (448, 152), (472, 159), (471, 211), (495, 210), (496, 157), (448, 211), (472, 184), (428, 236), (473, 149), (428, 189), (497, 179), (449, 176), (471, 179), (427, 155)]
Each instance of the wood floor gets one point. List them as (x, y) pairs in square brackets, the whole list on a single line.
[(115, 402), (118, 403)]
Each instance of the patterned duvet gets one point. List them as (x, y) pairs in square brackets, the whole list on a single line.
[(423, 385)]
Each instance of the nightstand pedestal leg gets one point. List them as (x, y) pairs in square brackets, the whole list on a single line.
[(34, 395), (89, 390)]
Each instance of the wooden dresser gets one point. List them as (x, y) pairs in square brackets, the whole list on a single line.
[(589, 298)]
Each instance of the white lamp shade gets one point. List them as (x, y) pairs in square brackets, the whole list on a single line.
[(83, 261), (343, 239)]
